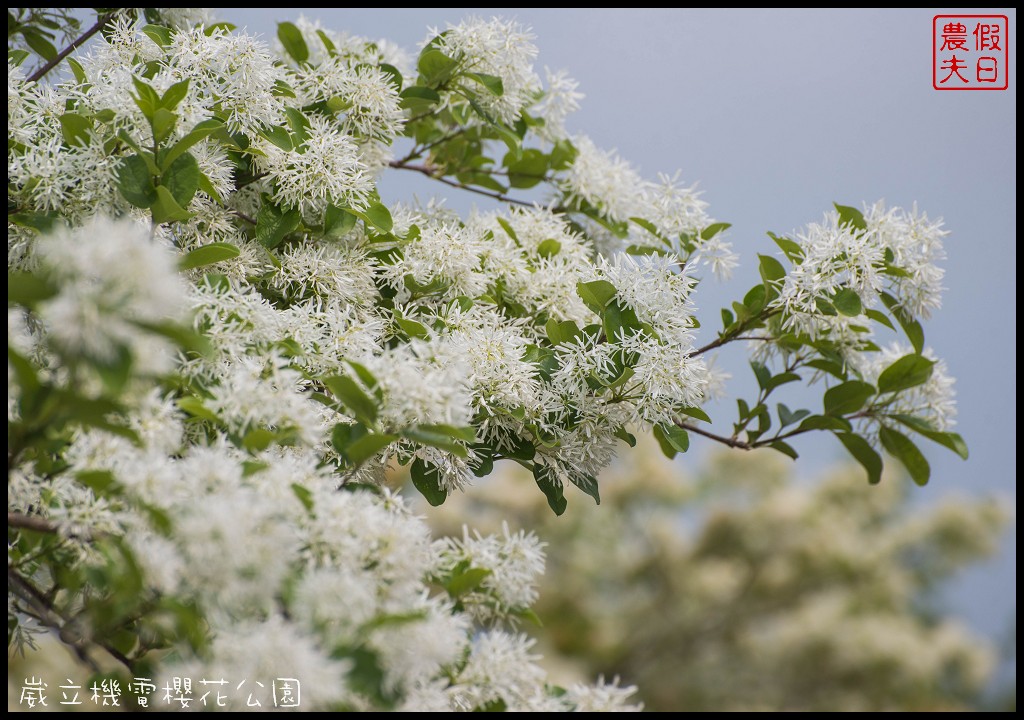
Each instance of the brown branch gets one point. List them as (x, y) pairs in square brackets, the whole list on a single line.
[(432, 174), (731, 442), (42, 608), (30, 522), (243, 216), (101, 23), (764, 315)]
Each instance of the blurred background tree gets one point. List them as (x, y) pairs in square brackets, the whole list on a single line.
[(738, 587)]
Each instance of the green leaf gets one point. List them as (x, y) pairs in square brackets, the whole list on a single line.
[(551, 487), (443, 437), (561, 332), (713, 229), (77, 70), (785, 449), (912, 328), (493, 83), (950, 440), (672, 439), (338, 222), (28, 289), (864, 454), (193, 406), (626, 436), (348, 392), (829, 366), (848, 397), (825, 422), (772, 271), (588, 484), (182, 179), (825, 307), (791, 248), (174, 95), (788, 417), (367, 446), (419, 99), (40, 44), (135, 182), (466, 581), (147, 99), (164, 122), (903, 449), (412, 328), (200, 131), (847, 301), (549, 248), (526, 168), (879, 317), (851, 216), (166, 208), (696, 412), (158, 34), (278, 136), (435, 66), (208, 255), (781, 379), (427, 479), (293, 41), (258, 439), (755, 299), (762, 373), (273, 224), (907, 372), (75, 128), (596, 294), (393, 74), (379, 216)]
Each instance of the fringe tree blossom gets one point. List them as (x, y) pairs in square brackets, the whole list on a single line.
[(224, 348)]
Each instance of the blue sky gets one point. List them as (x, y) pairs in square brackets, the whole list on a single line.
[(777, 114)]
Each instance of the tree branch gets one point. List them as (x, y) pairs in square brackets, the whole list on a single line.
[(731, 442), (42, 608), (737, 335), (101, 23), (430, 173), (30, 522)]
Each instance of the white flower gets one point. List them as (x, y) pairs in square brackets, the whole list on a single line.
[(560, 100), (325, 170), (111, 276), (498, 47)]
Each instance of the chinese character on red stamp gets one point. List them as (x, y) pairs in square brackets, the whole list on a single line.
[(970, 52)]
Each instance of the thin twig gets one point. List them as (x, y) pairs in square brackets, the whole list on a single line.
[(101, 23), (30, 522), (731, 442), (430, 173), (243, 216), (43, 609)]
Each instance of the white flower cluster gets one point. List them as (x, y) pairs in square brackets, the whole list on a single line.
[(675, 216), (895, 251), (113, 280), (295, 575), (499, 48)]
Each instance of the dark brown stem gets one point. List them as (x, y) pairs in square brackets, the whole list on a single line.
[(42, 608), (243, 216), (432, 174), (101, 23), (30, 522), (736, 335), (731, 442)]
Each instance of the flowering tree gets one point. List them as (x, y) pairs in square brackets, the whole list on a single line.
[(773, 595), (220, 339)]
